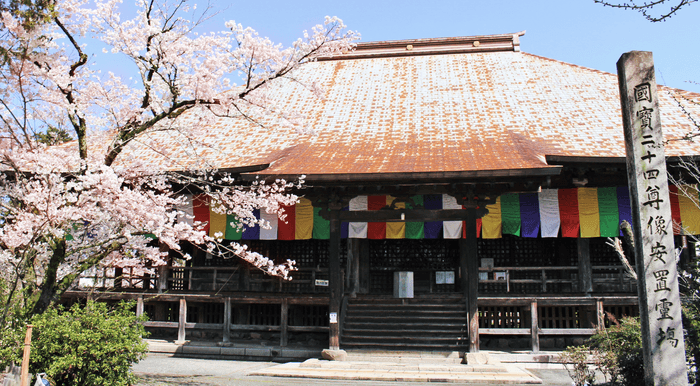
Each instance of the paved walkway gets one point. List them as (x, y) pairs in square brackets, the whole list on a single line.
[(404, 372), (166, 369)]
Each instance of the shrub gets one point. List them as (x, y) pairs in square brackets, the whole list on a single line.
[(88, 345), (624, 342), (575, 359)]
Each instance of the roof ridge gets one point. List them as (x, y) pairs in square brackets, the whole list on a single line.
[(431, 46)]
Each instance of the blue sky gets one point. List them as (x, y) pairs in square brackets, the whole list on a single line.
[(574, 31)]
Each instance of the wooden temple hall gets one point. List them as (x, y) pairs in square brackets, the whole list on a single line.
[(458, 196)]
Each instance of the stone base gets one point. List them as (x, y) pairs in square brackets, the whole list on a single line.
[(334, 355), (480, 358)]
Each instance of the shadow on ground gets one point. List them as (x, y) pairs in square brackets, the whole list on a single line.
[(173, 380)]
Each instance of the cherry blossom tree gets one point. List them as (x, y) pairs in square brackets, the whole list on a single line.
[(73, 206)]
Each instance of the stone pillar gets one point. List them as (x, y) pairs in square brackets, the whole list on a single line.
[(657, 284)]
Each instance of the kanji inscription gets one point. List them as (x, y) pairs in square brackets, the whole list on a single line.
[(659, 300)]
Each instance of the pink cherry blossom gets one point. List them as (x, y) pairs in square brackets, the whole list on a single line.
[(70, 207)]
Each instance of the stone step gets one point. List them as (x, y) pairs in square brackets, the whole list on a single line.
[(372, 344), (405, 357), (372, 331)]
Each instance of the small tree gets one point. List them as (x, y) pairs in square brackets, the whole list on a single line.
[(86, 345)]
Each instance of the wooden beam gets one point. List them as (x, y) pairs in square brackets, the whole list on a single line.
[(409, 215)]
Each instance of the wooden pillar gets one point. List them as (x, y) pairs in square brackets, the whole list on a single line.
[(363, 270), (469, 266), (534, 327), (139, 305), (118, 274), (162, 281), (182, 319), (585, 270), (227, 320), (352, 279), (284, 322), (600, 314), (336, 284)]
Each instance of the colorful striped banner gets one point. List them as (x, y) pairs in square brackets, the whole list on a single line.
[(530, 214), (510, 214), (548, 199), (588, 214), (568, 212), (609, 216), (576, 212), (491, 223), (690, 213), (415, 229)]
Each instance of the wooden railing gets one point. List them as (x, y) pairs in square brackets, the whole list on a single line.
[(533, 316), (206, 279), (603, 276), (283, 325)]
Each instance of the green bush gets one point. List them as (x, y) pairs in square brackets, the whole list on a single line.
[(575, 359), (624, 342), (87, 345)]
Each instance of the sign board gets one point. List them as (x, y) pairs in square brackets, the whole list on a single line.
[(333, 317), (659, 298), (444, 277), (321, 283)]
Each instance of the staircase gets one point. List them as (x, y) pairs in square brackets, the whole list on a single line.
[(426, 323)]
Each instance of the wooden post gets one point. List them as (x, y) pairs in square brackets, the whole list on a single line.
[(284, 322), (657, 283), (24, 377), (162, 281), (363, 270), (585, 270), (139, 305), (534, 327), (469, 265), (227, 320), (182, 319), (336, 284), (600, 314)]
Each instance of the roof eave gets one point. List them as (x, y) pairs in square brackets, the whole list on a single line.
[(416, 177)]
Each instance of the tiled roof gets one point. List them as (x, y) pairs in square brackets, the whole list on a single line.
[(472, 112)]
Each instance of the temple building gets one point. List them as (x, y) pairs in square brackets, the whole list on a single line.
[(458, 195)]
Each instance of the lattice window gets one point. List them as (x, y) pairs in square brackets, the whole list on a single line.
[(300, 315), (619, 312), (265, 314), (205, 312), (503, 317), (559, 316), (414, 255), (601, 253), (163, 312)]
